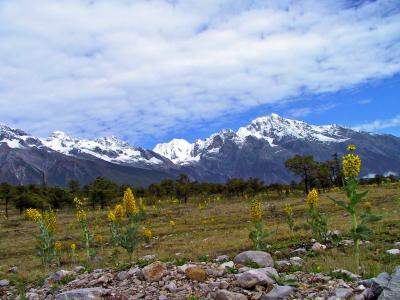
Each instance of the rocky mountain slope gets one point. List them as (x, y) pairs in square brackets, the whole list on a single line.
[(257, 150)]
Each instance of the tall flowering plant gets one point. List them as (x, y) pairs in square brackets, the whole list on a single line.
[(359, 229), (289, 217), (124, 221), (317, 221), (81, 217), (258, 234), (47, 223)]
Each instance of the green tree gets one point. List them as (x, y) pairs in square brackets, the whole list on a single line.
[(6, 194), (303, 166)]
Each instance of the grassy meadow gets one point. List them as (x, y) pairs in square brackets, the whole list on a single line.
[(212, 226)]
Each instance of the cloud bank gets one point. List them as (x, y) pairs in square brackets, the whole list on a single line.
[(146, 68), (379, 124)]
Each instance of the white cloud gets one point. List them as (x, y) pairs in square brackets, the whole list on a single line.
[(305, 111), (139, 68), (379, 124)]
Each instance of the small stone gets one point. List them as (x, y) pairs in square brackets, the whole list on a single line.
[(343, 293), (149, 257), (13, 270), (4, 282), (154, 271), (222, 258), (227, 295), (296, 261), (171, 287), (353, 277), (57, 276), (79, 269), (278, 292), (122, 275), (135, 272), (263, 259), (347, 243), (393, 251), (162, 297), (32, 296), (228, 264), (318, 247), (283, 265), (196, 273), (299, 251), (182, 269), (84, 294)]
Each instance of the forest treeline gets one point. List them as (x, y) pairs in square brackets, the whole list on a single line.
[(102, 192)]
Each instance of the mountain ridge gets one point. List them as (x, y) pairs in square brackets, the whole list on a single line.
[(256, 150)]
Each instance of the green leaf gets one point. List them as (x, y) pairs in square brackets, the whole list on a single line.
[(362, 232), (342, 204), (370, 218), (357, 197)]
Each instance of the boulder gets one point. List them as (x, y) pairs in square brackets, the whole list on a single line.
[(263, 259), (154, 271), (227, 295), (196, 273), (83, 294), (278, 292), (251, 278)]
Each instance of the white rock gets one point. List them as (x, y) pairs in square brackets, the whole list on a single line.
[(318, 247), (393, 251)]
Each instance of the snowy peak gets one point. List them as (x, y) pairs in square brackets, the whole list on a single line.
[(177, 150), (272, 128), (109, 149), (275, 128), (16, 138)]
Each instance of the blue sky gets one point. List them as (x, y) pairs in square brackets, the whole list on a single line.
[(148, 71)]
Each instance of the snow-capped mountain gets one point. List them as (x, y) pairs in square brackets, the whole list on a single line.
[(259, 149), (110, 149), (272, 129)]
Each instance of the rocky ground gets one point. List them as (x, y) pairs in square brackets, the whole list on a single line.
[(251, 275)]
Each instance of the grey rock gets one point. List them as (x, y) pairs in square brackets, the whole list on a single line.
[(79, 269), (149, 257), (282, 265), (299, 251), (171, 287), (122, 275), (353, 276), (278, 292), (32, 296), (343, 293), (83, 294), (227, 295), (228, 264), (393, 251), (57, 276), (254, 277), (296, 261), (392, 291), (4, 282), (318, 247), (162, 297), (263, 259), (222, 258), (13, 270)]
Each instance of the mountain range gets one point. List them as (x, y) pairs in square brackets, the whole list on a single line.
[(256, 150)]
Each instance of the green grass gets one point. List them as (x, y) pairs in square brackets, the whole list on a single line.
[(221, 227)]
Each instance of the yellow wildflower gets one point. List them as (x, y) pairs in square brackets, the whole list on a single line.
[(33, 214), (50, 220), (172, 223), (129, 202), (351, 147), (147, 233), (368, 206), (351, 165), (312, 198), (289, 210), (111, 217), (73, 246), (141, 204), (57, 245), (255, 210), (119, 212), (99, 238), (78, 202), (81, 215)]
